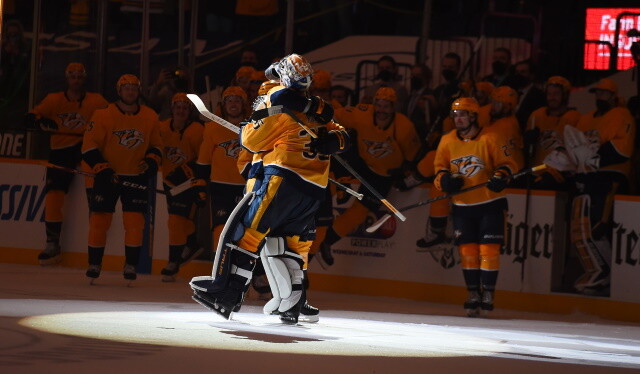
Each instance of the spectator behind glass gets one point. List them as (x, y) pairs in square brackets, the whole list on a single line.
[(342, 95), (14, 74), (388, 77), (169, 83), (500, 67)]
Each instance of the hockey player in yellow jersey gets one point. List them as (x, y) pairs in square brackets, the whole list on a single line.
[(122, 146), (386, 142), (466, 157), (601, 151), (503, 120), (65, 112), (544, 130), (282, 201), (181, 139)]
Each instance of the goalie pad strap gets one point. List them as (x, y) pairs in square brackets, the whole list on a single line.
[(266, 112), (241, 272)]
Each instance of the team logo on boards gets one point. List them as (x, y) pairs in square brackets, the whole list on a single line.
[(468, 165), (72, 120), (232, 147), (378, 149), (129, 138), (175, 155)]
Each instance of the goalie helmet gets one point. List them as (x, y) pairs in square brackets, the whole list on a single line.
[(505, 95), (75, 67), (127, 79), (559, 81), (466, 103), (295, 72)]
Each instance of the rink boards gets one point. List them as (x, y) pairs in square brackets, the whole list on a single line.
[(383, 263)]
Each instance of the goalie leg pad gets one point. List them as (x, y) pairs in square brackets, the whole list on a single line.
[(277, 273)]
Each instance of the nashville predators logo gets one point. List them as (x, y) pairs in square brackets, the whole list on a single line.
[(468, 165), (129, 138), (378, 149), (232, 147), (72, 120), (175, 155)]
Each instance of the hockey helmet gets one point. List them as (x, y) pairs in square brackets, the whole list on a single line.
[(127, 79), (606, 84), (466, 103), (295, 72), (487, 87), (559, 81), (75, 67), (234, 91), (505, 95), (266, 86), (245, 72), (322, 80), (180, 97), (386, 93)]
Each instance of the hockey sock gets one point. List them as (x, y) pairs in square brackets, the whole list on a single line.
[(438, 224), (488, 279), (54, 200), (95, 255), (53, 232), (175, 253), (133, 228), (132, 254), (472, 279)]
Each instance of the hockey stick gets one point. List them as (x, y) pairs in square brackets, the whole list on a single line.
[(351, 170), (376, 225), (195, 99), (173, 191), (527, 203)]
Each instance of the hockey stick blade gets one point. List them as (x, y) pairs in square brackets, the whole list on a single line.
[(195, 99), (176, 190), (376, 225)]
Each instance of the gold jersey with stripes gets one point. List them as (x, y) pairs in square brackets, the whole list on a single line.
[(123, 139), (381, 149), (475, 159), (181, 146), (71, 116)]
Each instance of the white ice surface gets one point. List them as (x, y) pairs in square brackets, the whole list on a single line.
[(52, 320)]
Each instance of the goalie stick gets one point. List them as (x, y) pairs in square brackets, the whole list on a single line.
[(173, 191), (195, 99), (376, 225)]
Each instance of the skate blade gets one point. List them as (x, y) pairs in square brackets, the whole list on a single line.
[(309, 319), (473, 313), (168, 278), (51, 261), (212, 307)]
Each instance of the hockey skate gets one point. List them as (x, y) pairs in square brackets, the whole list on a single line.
[(309, 313), (50, 255), (222, 301), (326, 258), (93, 273), (189, 254), (595, 282), (472, 304), (486, 305), (169, 272), (129, 273)]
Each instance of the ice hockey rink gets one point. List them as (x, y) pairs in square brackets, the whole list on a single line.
[(53, 321)]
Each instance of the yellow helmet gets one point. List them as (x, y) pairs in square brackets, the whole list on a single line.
[(559, 81), (386, 93), (180, 97), (266, 86), (75, 66), (127, 79), (466, 103), (487, 87), (322, 80), (606, 84), (234, 91), (505, 95)]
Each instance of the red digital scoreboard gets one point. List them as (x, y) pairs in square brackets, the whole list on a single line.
[(601, 27)]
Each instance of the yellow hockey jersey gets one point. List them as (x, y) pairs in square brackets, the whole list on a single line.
[(382, 150), (179, 147), (509, 128), (221, 148), (616, 126), (71, 116), (123, 140), (551, 130), (475, 159)]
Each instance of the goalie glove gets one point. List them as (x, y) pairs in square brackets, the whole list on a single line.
[(319, 110), (328, 143), (498, 181), (583, 150), (447, 182)]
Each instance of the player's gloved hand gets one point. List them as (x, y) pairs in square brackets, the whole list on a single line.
[(330, 142), (46, 124), (105, 177), (319, 110), (200, 189), (498, 181), (531, 137), (148, 167), (449, 183)]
